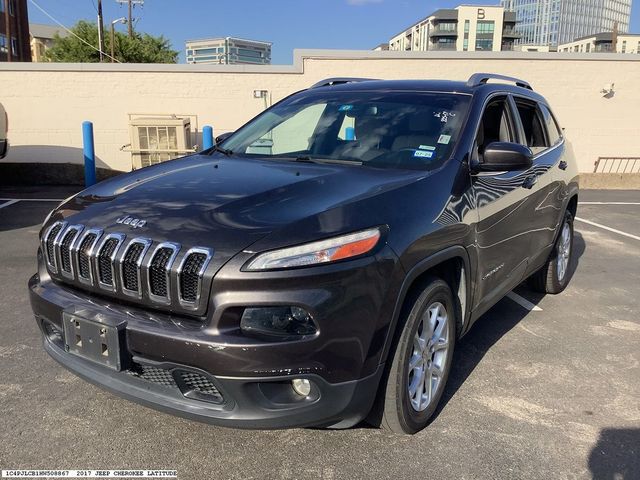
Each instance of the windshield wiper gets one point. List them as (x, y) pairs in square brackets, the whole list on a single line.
[(308, 159), (219, 149)]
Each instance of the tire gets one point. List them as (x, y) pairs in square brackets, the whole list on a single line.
[(552, 277), (402, 412)]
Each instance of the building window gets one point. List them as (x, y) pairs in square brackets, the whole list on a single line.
[(14, 46), (588, 47), (447, 27), (624, 46), (465, 46), (12, 7), (486, 26), (484, 45), (3, 43), (466, 26)]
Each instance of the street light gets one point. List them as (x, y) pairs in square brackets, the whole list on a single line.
[(122, 20)]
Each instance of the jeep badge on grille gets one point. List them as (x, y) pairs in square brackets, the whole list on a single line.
[(132, 222)]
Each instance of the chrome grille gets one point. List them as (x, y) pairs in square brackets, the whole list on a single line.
[(159, 272), (49, 244), (83, 255), (132, 267), (106, 259), (69, 237), (190, 275)]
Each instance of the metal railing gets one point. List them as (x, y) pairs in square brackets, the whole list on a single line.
[(617, 165)]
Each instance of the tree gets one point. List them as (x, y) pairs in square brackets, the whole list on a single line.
[(142, 48)]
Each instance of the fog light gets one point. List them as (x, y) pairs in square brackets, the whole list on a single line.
[(277, 322), (301, 386)]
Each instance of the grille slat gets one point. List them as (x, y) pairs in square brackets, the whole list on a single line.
[(84, 262), (159, 271), (65, 249), (190, 276), (49, 244), (130, 270), (105, 267)]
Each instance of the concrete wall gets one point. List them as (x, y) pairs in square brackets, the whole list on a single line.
[(47, 103)]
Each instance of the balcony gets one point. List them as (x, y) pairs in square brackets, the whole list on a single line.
[(443, 32), (511, 33), (444, 47)]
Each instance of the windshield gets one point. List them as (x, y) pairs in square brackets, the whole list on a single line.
[(381, 129)]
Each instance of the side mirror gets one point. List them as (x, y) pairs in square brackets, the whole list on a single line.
[(223, 137), (504, 157)]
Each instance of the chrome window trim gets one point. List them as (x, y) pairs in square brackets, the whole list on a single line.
[(96, 258), (58, 250), (157, 298), (75, 250), (146, 244), (53, 267), (196, 303)]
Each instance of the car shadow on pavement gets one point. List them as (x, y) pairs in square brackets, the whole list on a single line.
[(491, 327), (616, 456)]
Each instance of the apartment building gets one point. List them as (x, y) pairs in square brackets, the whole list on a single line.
[(42, 39), (14, 31), (464, 28), (555, 22), (603, 43), (228, 51)]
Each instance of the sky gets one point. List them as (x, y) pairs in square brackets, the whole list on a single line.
[(289, 24)]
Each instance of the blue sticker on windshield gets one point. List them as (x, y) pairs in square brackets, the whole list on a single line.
[(345, 108), (423, 154)]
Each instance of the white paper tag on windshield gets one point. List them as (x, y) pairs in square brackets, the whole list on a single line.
[(444, 139)]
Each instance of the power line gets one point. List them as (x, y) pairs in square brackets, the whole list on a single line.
[(71, 32)]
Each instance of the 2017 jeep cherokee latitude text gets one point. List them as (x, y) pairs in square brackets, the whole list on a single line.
[(316, 267)]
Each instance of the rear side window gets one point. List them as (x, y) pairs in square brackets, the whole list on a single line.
[(533, 127), (555, 135)]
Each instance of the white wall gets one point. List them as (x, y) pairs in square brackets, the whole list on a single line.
[(47, 103)]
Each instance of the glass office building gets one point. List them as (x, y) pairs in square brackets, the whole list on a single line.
[(228, 51), (553, 22)]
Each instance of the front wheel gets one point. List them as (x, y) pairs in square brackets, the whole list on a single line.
[(422, 360), (554, 276)]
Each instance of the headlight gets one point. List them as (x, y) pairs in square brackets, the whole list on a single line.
[(324, 251)]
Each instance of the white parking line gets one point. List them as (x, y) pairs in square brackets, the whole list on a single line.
[(523, 302), (7, 203), (32, 199), (609, 203), (604, 227)]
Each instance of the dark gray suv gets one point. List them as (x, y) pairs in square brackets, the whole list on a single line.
[(317, 266)]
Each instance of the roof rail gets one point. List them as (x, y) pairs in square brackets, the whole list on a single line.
[(478, 79), (330, 82)]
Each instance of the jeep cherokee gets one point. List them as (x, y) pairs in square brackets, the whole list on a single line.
[(317, 266)]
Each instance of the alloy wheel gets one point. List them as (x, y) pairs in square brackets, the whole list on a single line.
[(428, 356), (564, 251)]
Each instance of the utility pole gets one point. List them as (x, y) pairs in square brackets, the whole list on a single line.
[(130, 4), (7, 29), (100, 31)]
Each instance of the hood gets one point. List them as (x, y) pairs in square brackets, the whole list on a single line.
[(225, 203)]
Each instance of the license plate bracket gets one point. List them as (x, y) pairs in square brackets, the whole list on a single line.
[(94, 341)]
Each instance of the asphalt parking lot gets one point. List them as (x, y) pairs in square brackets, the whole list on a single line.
[(546, 392)]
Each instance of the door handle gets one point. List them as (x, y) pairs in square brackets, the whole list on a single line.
[(563, 165), (530, 181)]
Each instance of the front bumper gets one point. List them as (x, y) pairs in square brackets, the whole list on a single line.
[(253, 377)]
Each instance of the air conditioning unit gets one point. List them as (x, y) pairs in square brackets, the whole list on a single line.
[(158, 139)]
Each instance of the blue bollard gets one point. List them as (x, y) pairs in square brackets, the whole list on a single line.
[(350, 134), (207, 137), (89, 154)]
